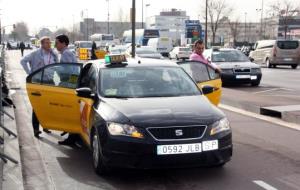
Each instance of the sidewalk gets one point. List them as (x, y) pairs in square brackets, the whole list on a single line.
[(272, 102)]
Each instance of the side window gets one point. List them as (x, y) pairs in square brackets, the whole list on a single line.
[(61, 75), (199, 72), (37, 78), (212, 73)]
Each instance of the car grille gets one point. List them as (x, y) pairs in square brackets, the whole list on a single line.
[(177, 133), (242, 70)]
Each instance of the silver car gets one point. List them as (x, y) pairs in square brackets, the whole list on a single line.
[(236, 68), (276, 52)]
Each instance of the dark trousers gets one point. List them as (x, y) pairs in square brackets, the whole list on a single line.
[(35, 123)]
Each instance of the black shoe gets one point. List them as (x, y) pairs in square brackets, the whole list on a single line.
[(67, 142), (37, 134), (47, 131)]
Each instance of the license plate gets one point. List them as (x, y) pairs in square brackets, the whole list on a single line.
[(243, 76), (253, 77), (187, 148), (288, 59)]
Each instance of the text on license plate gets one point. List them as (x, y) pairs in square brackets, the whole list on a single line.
[(187, 148), (243, 76)]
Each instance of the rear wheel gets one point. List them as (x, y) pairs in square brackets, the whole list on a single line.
[(177, 58), (294, 66), (169, 55), (98, 164), (269, 65)]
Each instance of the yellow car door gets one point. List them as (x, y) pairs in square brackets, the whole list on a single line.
[(51, 91), (203, 75)]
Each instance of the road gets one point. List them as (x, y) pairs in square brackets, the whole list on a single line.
[(266, 156)]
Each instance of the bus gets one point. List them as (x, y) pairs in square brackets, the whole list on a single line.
[(103, 40), (142, 36)]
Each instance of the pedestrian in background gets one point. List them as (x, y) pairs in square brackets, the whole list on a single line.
[(22, 48), (61, 44), (34, 61), (94, 48)]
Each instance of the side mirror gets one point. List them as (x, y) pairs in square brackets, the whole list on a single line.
[(84, 92), (251, 59), (207, 89)]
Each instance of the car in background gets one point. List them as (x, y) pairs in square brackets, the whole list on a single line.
[(145, 52), (84, 45), (235, 66), (276, 52), (180, 53), (163, 45), (117, 49)]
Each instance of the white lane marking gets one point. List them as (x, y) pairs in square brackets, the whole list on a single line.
[(264, 91), (261, 117), (264, 185)]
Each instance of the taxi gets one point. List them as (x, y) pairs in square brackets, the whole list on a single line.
[(133, 113)]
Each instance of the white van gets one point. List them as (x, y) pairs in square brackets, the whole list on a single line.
[(163, 45), (276, 52)]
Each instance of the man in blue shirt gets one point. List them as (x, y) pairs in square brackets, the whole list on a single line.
[(32, 62)]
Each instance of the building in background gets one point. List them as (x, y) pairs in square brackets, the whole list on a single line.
[(89, 27), (171, 23)]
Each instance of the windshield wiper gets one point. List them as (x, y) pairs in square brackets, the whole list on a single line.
[(116, 96)]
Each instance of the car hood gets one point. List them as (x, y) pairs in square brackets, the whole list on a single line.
[(230, 65), (171, 111)]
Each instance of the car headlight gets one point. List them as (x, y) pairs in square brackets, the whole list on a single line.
[(256, 70), (227, 71), (117, 129), (220, 126)]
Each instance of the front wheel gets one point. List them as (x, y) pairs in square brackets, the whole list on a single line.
[(98, 164), (255, 83), (294, 66)]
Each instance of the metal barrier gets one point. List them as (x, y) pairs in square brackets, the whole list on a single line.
[(3, 99)]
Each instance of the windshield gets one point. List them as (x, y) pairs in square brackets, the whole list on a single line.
[(86, 45), (229, 56), (146, 82)]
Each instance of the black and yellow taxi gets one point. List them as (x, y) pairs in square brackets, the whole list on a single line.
[(134, 113)]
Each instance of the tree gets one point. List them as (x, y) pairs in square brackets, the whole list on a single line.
[(234, 29), (216, 10), (20, 32), (286, 11)]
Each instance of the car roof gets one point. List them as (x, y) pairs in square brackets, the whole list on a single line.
[(137, 62)]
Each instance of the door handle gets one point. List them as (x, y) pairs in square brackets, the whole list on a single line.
[(36, 94)]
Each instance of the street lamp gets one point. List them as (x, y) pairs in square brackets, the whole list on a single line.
[(147, 5), (133, 29), (206, 5), (107, 16)]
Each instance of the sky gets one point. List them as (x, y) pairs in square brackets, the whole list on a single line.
[(62, 13)]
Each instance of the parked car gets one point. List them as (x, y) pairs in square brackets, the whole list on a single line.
[(145, 52), (235, 66), (180, 53), (163, 45), (118, 49), (276, 52)]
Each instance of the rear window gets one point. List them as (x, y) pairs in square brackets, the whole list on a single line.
[(288, 44), (184, 49)]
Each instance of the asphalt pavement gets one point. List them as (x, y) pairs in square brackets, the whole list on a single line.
[(266, 156)]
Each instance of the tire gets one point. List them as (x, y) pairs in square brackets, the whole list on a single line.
[(294, 66), (98, 164), (268, 64), (255, 83), (177, 58), (169, 56)]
